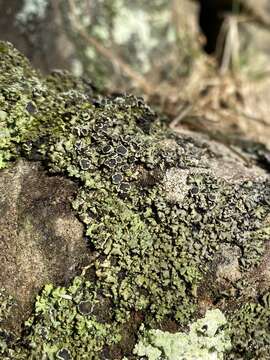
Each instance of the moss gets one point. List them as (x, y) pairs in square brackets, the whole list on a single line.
[(206, 340), (152, 251)]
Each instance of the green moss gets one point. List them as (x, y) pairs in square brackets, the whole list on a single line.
[(152, 251), (206, 340)]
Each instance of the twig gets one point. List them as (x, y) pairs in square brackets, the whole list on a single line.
[(231, 47), (183, 112)]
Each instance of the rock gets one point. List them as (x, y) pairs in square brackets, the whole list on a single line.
[(179, 224), (96, 39), (128, 45), (41, 239), (35, 28)]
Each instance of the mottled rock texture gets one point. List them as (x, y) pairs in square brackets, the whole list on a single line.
[(41, 239), (146, 36), (35, 28), (176, 224)]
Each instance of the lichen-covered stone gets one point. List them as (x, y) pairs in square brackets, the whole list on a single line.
[(152, 38), (179, 224)]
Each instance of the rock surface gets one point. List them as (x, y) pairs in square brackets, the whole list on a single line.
[(35, 28), (41, 239), (179, 224), (138, 33)]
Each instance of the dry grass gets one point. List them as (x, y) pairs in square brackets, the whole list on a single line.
[(213, 98)]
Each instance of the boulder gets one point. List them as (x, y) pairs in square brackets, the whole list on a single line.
[(177, 227)]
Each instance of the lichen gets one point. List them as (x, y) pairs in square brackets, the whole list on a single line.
[(250, 330), (32, 9), (16, 122), (6, 306), (206, 340), (69, 319), (115, 23), (152, 251)]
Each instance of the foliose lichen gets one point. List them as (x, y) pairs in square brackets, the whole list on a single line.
[(6, 307), (152, 252), (206, 340), (249, 330)]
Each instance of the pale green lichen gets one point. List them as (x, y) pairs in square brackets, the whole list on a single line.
[(6, 303), (138, 32), (152, 251), (206, 340), (68, 318), (32, 9)]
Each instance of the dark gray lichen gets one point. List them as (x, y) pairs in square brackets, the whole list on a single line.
[(154, 253)]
